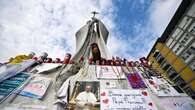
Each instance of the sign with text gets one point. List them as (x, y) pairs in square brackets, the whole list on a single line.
[(110, 72), (117, 99)]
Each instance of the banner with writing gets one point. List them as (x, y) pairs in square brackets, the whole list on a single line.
[(110, 72), (117, 99)]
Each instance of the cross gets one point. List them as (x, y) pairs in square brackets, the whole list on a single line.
[(94, 13)]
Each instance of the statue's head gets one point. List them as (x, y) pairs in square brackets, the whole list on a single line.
[(94, 47)]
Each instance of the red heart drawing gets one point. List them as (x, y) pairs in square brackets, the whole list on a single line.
[(150, 104), (144, 93), (103, 94), (151, 82), (105, 101)]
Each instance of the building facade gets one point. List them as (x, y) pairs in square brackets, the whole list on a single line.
[(173, 54)]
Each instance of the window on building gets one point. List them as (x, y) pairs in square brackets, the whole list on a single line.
[(177, 48), (188, 54), (189, 91), (160, 58), (172, 44), (192, 29), (156, 53), (169, 41), (179, 81), (192, 65), (178, 89), (185, 38), (172, 73), (153, 50), (185, 22), (165, 65), (191, 37), (191, 11), (177, 33)]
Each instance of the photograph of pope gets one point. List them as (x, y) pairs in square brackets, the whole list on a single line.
[(85, 96), (86, 100)]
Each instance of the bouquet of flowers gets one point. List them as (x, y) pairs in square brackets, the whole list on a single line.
[(136, 81)]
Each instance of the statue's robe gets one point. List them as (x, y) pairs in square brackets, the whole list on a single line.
[(94, 31)]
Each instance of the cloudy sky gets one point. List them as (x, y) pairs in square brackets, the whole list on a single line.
[(50, 25)]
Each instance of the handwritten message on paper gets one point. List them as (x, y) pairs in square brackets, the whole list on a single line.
[(110, 72), (161, 87), (115, 99)]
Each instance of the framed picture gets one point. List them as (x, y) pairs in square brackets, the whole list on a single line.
[(85, 96)]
